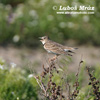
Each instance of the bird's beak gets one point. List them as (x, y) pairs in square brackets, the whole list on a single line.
[(40, 37)]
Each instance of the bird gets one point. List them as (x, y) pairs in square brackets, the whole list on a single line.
[(56, 48)]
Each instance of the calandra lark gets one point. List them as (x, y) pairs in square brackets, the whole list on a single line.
[(56, 48)]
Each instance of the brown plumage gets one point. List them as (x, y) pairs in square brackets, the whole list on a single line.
[(56, 48)]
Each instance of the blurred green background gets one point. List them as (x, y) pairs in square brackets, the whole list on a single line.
[(22, 22)]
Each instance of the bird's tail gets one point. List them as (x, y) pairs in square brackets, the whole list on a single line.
[(70, 49)]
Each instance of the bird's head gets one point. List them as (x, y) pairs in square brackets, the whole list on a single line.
[(44, 39)]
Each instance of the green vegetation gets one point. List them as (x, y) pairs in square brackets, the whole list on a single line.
[(16, 84), (25, 22)]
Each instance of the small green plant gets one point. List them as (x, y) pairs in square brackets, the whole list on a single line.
[(16, 85)]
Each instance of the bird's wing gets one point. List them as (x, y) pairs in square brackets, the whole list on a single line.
[(69, 48), (55, 47), (64, 47)]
